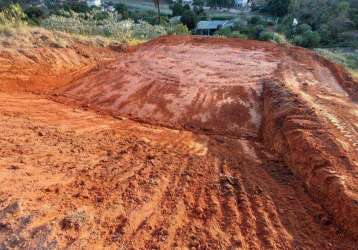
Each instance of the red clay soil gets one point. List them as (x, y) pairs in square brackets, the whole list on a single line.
[(43, 69), (230, 145)]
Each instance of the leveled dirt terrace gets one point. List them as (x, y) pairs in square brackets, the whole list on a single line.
[(179, 143)]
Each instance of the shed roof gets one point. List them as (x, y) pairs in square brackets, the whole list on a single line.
[(210, 25)]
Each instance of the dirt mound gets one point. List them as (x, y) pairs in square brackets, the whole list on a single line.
[(240, 145), (180, 83), (42, 70)]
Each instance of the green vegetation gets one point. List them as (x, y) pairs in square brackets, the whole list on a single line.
[(327, 23), (345, 57), (110, 26), (86, 22), (254, 27), (324, 24), (12, 16), (221, 3), (306, 23), (189, 16)]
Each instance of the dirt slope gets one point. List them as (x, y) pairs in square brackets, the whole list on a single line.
[(248, 148), (72, 178), (43, 69), (201, 86)]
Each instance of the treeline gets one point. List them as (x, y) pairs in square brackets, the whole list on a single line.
[(309, 23)]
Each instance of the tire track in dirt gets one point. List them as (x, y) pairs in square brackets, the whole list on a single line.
[(100, 182), (224, 199)]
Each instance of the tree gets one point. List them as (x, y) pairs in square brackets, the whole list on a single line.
[(308, 39), (189, 19), (221, 3), (79, 7), (122, 9), (199, 3), (177, 8), (34, 13), (354, 17), (278, 7), (343, 8), (157, 5), (13, 14), (6, 3)]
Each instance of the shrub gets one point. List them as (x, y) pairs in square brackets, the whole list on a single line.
[(226, 32), (177, 29), (146, 31), (237, 34), (298, 40), (308, 38), (112, 27), (255, 31), (255, 20), (304, 28), (279, 38), (311, 39), (266, 36), (34, 12), (223, 32), (13, 16)]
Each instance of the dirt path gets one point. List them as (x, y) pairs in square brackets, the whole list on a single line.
[(182, 143)]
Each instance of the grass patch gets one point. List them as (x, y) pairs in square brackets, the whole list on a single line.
[(344, 56), (354, 73)]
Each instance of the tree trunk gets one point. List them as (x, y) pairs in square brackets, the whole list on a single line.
[(158, 9)]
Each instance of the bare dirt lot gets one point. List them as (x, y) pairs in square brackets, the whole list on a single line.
[(179, 143)]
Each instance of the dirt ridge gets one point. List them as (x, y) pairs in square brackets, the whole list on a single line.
[(294, 131)]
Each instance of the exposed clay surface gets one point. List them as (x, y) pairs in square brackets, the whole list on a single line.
[(231, 145), (198, 85), (43, 69)]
